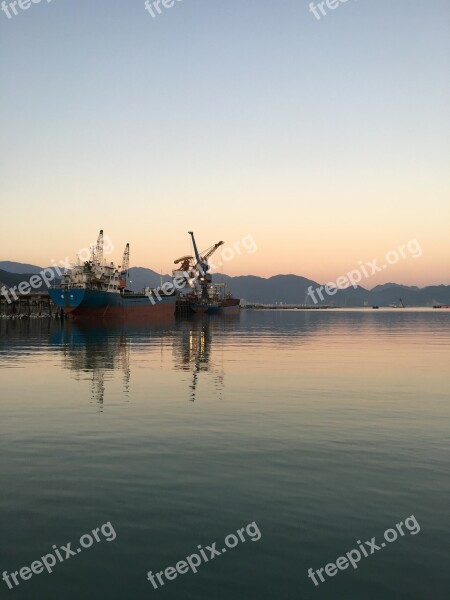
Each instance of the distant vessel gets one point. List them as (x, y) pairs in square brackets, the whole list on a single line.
[(93, 289), (399, 305), (195, 287)]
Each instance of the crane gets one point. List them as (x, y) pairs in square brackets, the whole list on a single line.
[(99, 249), (125, 266), (187, 262), (202, 260), (202, 264), (126, 259)]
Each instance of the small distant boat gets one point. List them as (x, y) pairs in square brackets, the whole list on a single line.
[(375, 307), (399, 305), (442, 306)]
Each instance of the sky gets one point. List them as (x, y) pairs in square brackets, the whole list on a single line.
[(325, 141)]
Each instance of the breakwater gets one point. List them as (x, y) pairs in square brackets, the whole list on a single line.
[(29, 306)]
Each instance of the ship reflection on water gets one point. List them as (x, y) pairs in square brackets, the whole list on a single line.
[(95, 352), (98, 352)]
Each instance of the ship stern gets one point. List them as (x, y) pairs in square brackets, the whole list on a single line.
[(69, 299)]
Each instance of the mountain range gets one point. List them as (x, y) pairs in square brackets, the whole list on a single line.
[(285, 289)]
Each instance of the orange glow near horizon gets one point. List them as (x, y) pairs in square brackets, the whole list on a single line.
[(322, 259)]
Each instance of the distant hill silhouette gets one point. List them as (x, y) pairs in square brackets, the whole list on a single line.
[(21, 268), (140, 277), (13, 279), (289, 289), (292, 289), (286, 289)]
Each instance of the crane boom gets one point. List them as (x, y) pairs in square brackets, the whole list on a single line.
[(124, 268), (197, 255), (99, 249), (208, 253), (126, 259)]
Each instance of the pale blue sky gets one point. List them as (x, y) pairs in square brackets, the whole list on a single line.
[(327, 140)]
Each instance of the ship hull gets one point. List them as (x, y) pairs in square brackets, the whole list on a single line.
[(84, 303), (223, 310), (200, 309), (229, 306)]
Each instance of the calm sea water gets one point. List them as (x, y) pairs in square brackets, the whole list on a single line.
[(323, 427)]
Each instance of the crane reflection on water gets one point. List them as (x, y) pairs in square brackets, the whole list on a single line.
[(194, 354)]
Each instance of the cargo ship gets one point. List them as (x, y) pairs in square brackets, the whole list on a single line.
[(94, 289)]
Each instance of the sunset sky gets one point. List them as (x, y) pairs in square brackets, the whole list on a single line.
[(326, 140)]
